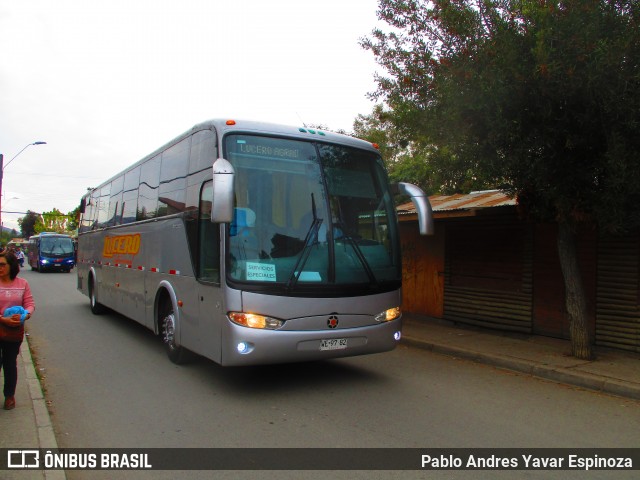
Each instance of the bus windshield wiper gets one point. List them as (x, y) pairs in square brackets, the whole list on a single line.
[(310, 239), (360, 255)]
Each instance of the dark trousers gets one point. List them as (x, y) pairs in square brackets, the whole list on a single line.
[(9, 364)]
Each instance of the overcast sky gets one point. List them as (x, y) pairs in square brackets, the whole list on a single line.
[(106, 82)]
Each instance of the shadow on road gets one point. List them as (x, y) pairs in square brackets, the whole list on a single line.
[(328, 374)]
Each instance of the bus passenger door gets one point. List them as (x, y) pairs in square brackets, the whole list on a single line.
[(210, 303), (208, 278)]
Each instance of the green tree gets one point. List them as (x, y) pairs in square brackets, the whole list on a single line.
[(27, 224), (543, 96), (7, 235), (411, 157), (53, 221), (73, 216)]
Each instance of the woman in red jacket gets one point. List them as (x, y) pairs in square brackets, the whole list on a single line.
[(14, 292)]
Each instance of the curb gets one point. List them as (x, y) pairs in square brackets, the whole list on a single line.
[(44, 427), (560, 375)]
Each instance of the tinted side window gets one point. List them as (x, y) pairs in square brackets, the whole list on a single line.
[(115, 203), (87, 217), (95, 200), (203, 153), (173, 178), (148, 189), (103, 205), (130, 195)]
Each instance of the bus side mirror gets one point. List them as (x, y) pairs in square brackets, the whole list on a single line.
[(421, 202), (83, 205), (222, 207)]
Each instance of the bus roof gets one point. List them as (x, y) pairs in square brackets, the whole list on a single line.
[(52, 234), (225, 126)]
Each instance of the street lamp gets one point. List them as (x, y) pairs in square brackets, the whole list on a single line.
[(14, 157), (2, 167)]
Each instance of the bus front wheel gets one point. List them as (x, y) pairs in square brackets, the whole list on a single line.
[(176, 353)]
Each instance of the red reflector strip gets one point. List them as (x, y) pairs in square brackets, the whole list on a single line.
[(154, 269), (174, 272), (140, 267)]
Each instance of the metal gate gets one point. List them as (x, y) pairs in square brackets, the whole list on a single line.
[(617, 310)]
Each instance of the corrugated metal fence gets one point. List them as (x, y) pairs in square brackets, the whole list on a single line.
[(488, 274), (489, 266), (617, 311)]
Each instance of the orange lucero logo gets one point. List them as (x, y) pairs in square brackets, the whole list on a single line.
[(121, 245)]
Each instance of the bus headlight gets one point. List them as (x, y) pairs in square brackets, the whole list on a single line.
[(253, 320), (388, 315)]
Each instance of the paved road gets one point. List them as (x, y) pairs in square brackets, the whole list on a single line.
[(110, 384)]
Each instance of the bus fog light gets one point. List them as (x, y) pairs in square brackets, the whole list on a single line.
[(397, 336), (245, 347)]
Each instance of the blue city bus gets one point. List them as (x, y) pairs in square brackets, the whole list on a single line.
[(51, 251)]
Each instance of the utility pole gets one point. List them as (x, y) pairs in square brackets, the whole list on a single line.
[(2, 167), (1, 173)]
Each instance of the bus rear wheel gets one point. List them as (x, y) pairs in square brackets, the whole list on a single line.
[(96, 307), (176, 353)]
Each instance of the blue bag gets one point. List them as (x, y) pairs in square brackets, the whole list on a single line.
[(19, 310)]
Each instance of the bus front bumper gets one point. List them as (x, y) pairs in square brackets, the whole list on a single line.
[(249, 346)]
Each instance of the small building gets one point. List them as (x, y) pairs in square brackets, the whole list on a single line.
[(485, 266), (17, 242)]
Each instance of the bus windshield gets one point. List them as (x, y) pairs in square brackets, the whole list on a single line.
[(310, 214), (56, 246)]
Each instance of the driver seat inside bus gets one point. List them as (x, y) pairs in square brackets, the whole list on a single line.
[(244, 243)]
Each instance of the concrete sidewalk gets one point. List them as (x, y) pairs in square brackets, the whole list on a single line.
[(27, 426), (613, 372)]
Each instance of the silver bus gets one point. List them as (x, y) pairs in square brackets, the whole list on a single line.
[(251, 243)]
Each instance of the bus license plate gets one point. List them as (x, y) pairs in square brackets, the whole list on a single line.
[(333, 344)]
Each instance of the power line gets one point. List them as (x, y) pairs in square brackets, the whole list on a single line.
[(36, 213)]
